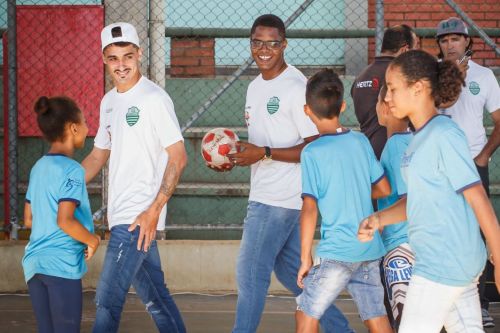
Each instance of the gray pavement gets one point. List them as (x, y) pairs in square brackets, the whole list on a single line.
[(201, 313)]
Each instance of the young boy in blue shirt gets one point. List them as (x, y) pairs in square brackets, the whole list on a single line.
[(399, 260), (340, 176)]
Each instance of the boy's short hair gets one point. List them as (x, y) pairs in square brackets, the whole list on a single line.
[(271, 21), (325, 94)]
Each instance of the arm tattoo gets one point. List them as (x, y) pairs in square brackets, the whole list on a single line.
[(170, 179)]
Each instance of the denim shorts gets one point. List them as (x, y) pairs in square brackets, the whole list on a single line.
[(328, 279)]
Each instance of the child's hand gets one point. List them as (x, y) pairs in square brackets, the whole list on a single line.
[(368, 227), (303, 271), (92, 247)]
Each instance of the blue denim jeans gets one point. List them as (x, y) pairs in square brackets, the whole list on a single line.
[(326, 281), (125, 266), (271, 241)]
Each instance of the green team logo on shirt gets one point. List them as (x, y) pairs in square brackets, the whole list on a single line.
[(132, 116), (273, 105), (474, 88)]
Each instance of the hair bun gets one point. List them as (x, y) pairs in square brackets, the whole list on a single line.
[(42, 105)]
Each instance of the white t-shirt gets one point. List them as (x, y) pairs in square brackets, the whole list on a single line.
[(136, 126), (274, 113), (481, 91)]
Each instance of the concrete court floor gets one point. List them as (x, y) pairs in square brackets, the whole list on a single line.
[(201, 313)]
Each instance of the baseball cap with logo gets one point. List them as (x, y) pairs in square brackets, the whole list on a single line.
[(119, 32), (452, 25)]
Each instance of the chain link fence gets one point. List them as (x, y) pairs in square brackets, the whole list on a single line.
[(3, 169), (199, 52)]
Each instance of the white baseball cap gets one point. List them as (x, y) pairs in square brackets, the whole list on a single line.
[(119, 32)]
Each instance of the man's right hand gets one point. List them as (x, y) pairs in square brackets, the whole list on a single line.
[(463, 67), (248, 154)]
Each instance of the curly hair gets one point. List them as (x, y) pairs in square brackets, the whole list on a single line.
[(445, 78)]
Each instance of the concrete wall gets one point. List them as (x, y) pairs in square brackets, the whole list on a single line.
[(189, 265)]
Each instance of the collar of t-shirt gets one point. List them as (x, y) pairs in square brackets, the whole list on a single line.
[(131, 89), (340, 130), (279, 76), (408, 131), (384, 58)]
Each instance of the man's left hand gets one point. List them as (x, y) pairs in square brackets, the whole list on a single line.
[(147, 221), (248, 155)]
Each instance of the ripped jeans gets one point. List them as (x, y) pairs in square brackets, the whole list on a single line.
[(125, 266)]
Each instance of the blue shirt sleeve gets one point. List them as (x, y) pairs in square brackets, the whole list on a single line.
[(396, 152), (455, 160), (309, 175), (376, 169), (72, 187), (28, 192)]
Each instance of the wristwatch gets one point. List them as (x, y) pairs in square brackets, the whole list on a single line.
[(267, 154)]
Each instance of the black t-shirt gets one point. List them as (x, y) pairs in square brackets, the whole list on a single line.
[(364, 92)]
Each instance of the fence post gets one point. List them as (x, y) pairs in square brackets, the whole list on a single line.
[(379, 25), (136, 13), (157, 52), (12, 122)]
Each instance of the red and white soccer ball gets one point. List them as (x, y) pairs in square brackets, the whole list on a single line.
[(216, 144)]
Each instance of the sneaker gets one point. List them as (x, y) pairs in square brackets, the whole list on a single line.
[(487, 319)]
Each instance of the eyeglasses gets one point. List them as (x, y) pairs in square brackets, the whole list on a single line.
[(270, 44)]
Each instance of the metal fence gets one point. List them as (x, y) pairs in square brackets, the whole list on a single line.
[(198, 51)]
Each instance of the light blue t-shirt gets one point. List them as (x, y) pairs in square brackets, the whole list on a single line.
[(53, 179), (394, 234), (443, 230), (338, 171)]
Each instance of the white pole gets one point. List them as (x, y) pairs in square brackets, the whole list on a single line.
[(157, 52)]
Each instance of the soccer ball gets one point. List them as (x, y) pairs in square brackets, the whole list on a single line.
[(216, 144)]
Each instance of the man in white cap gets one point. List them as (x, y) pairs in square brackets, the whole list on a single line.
[(481, 92), (140, 135)]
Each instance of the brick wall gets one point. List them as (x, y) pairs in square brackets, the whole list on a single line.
[(192, 57), (428, 13), (195, 57)]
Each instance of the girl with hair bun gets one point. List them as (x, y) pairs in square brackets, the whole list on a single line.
[(445, 203), (57, 210)]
